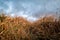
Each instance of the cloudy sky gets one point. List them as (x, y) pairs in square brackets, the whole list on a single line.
[(30, 9)]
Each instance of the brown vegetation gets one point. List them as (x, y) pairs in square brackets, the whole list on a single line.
[(18, 28)]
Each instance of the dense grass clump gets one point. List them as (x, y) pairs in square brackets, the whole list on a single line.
[(18, 28)]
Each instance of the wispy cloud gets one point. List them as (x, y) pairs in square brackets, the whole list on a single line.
[(30, 9), (10, 7)]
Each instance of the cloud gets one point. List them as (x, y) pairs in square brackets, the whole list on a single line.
[(52, 5), (30, 9), (10, 7), (21, 13), (31, 18)]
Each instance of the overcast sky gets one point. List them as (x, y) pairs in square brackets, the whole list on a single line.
[(30, 9)]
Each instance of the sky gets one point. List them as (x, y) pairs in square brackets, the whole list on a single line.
[(30, 9)]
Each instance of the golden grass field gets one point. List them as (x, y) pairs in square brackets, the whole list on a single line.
[(18, 28)]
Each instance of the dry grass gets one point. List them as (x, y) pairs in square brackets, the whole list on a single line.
[(18, 28)]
